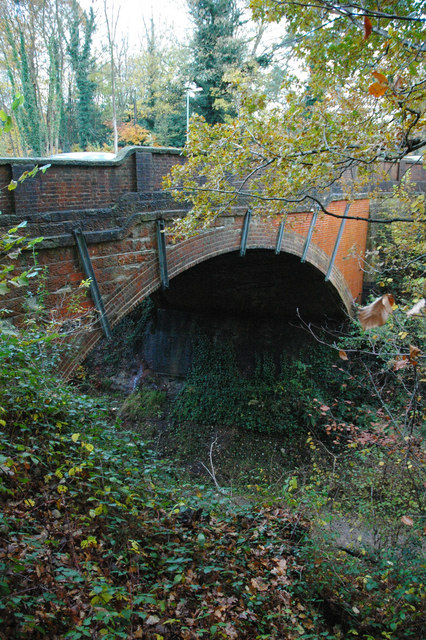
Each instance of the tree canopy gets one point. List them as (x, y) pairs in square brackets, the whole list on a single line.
[(354, 98)]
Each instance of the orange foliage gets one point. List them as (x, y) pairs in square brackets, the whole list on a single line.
[(131, 133)]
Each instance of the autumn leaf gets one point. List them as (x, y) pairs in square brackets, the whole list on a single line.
[(407, 520), (368, 27), (400, 363), (377, 89), (417, 309), (376, 313), (380, 77), (414, 354), (343, 355), (281, 568), (258, 585)]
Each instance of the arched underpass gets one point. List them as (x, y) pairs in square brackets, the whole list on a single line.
[(253, 303)]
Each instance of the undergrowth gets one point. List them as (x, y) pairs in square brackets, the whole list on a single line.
[(101, 538)]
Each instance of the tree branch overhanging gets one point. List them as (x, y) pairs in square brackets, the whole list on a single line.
[(313, 199)]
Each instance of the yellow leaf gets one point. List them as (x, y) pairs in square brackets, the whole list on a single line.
[(75, 437)]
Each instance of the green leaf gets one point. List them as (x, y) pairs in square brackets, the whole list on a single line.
[(8, 124), (19, 99)]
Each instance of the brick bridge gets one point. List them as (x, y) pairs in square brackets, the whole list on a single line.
[(109, 220)]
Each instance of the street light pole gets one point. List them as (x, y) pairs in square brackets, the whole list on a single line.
[(191, 90), (187, 116)]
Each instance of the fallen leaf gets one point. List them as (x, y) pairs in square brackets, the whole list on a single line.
[(400, 363), (258, 585), (414, 354), (343, 355), (281, 568), (151, 620), (407, 520)]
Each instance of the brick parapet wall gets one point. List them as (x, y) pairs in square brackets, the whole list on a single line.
[(80, 185)]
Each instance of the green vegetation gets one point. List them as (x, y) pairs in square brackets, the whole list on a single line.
[(104, 539), (265, 401)]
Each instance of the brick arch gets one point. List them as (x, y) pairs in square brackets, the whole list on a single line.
[(187, 254)]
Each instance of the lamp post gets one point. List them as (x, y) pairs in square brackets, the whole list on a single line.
[(191, 90)]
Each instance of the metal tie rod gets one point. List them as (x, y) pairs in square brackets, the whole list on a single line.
[(336, 244), (94, 288), (162, 254), (309, 236), (245, 232), (280, 235)]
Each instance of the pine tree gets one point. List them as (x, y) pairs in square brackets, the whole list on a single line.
[(216, 48), (82, 28)]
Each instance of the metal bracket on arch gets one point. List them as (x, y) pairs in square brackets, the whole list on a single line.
[(309, 236), (86, 263), (162, 253), (245, 232)]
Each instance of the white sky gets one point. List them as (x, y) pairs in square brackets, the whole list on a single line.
[(167, 13)]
